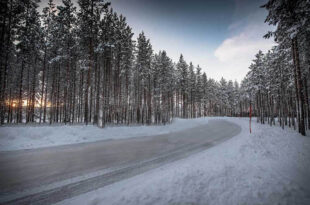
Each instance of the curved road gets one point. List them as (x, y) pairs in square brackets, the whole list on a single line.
[(49, 175)]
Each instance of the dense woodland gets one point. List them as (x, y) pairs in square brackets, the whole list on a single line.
[(81, 65)]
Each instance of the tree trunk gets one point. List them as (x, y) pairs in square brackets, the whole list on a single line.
[(299, 86)]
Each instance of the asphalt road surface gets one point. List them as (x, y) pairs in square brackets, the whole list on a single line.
[(49, 175)]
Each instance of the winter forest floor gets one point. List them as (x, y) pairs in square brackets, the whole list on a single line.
[(269, 166), (29, 137)]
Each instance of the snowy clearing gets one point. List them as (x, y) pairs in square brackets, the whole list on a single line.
[(269, 166), (31, 137)]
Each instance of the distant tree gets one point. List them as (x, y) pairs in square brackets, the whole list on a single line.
[(182, 68)]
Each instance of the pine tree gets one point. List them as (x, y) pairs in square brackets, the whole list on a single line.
[(182, 69), (89, 15), (199, 90), (67, 19), (143, 79)]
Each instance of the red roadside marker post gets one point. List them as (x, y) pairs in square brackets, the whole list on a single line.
[(250, 116)]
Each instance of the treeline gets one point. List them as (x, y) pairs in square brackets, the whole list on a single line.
[(278, 82), (69, 65), (65, 65)]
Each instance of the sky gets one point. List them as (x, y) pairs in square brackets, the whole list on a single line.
[(222, 36)]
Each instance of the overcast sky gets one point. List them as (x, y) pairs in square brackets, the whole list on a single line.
[(222, 36)]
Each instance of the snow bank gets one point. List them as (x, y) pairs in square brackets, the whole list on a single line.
[(30, 137), (269, 166)]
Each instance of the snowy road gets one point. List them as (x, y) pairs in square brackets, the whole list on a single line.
[(49, 175)]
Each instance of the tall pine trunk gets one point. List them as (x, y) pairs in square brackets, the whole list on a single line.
[(300, 89)]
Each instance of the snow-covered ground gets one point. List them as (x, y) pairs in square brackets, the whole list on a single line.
[(30, 137), (269, 166)]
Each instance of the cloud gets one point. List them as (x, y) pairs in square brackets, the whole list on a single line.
[(235, 54), (243, 46)]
